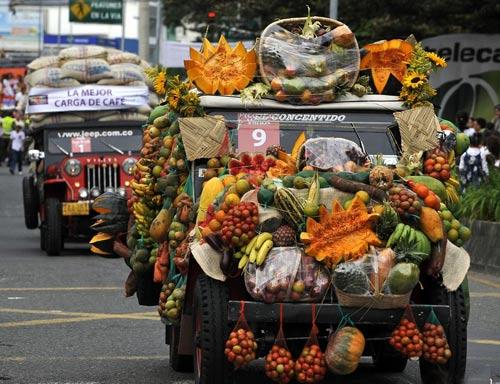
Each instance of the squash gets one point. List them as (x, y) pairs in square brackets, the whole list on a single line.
[(386, 58), (102, 244), (221, 68), (431, 224), (343, 234), (110, 202), (212, 188), (344, 350)]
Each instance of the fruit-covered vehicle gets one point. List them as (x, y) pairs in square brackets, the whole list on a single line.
[(74, 164), (211, 307)]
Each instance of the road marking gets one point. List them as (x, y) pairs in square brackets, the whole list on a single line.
[(485, 294), (484, 341), (74, 317), (483, 281), (42, 289), (15, 298)]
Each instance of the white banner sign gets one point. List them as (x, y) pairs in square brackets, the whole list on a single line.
[(89, 97)]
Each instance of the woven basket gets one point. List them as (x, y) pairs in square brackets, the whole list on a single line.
[(379, 301), (299, 21)]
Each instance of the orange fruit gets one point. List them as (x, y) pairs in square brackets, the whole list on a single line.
[(232, 199), (214, 225), (219, 216), (228, 180), (432, 201), (421, 190), (206, 231)]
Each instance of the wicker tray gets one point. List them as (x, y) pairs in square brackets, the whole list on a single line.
[(293, 22), (379, 301)]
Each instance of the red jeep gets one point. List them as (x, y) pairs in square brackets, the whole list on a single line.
[(73, 165)]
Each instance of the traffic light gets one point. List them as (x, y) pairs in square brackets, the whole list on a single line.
[(211, 16)]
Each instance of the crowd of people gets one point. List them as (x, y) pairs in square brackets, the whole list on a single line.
[(13, 125), (483, 153)]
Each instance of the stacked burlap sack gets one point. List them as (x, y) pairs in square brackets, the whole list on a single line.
[(88, 64)]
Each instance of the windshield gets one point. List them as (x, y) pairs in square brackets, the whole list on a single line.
[(254, 131), (94, 140)]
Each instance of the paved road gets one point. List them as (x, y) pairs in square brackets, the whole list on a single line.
[(65, 320)]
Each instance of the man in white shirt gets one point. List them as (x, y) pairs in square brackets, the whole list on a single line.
[(17, 138)]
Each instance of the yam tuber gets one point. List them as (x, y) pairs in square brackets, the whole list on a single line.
[(354, 186)]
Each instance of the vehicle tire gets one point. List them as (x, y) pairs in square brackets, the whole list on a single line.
[(53, 229), (211, 329), (42, 237), (387, 359), (179, 363), (30, 203), (454, 371)]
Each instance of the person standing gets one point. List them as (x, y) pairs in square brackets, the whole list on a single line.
[(461, 120), (7, 124), (496, 119), (473, 166), (17, 138)]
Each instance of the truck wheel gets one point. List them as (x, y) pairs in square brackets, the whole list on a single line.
[(179, 363), (387, 359), (211, 329), (30, 202), (53, 229), (454, 371)]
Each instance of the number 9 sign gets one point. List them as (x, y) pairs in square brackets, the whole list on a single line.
[(257, 137)]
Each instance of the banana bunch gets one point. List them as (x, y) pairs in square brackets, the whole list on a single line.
[(145, 185), (452, 186), (413, 240), (255, 251), (144, 216)]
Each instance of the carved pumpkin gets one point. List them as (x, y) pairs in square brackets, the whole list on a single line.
[(387, 58), (343, 234), (221, 68), (344, 350), (102, 244)]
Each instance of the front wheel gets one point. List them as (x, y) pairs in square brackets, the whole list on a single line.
[(53, 227), (454, 371), (211, 330), (30, 203)]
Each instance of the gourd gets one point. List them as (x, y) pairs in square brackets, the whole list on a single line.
[(290, 207), (344, 350), (210, 191)]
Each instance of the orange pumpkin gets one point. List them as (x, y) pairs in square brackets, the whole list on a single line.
[(387, 58), (344, 350), (221, 68)]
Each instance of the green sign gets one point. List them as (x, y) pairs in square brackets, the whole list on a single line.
[(96, 11)]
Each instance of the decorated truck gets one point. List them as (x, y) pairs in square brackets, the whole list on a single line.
[(87, 106), (305, 221)]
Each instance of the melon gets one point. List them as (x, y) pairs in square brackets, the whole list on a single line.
[(463, 142), (402, 278), (433, 184), (448, 125)]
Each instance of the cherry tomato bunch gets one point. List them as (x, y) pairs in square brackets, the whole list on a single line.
[(436, 348), (279, 365), (240, 347), (310, 367), (407, 339)]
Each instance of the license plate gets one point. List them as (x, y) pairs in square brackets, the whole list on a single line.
[(80, 208)]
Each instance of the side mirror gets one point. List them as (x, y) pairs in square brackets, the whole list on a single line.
[(35, 155)]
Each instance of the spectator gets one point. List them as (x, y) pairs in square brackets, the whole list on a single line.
[(461, 120), (493, 150), (477, 127), (18, 118), (7, 123), (496, 119), (469, 131), (17, 138), (473, 167)]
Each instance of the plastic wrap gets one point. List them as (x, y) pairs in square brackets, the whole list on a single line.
[(308, 71), (331, 153), (287, 275)]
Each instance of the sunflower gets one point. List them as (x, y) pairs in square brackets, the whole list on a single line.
[(173, 98), (436, 60), (159, 83), (414, 80)]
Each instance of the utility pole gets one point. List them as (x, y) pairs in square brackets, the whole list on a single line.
[(334, 5), (144, 30)]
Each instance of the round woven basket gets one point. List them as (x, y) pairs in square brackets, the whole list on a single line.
[(299, 21), (379, 301)]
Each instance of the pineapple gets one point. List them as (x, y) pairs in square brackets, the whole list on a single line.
[(284, 236), (387, 222)]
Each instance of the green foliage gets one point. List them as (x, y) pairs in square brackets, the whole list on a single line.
[(483, 202)]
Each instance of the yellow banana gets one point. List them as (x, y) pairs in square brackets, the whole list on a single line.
[(451, 157), (243, 262), (453, 182), (253, 255), (263, 237), (250, 245), (141, 167), (263, 252)]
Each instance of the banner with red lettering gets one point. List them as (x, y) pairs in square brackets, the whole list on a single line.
[(90, 97)]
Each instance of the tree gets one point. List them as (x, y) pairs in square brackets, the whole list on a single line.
[(370, 20)]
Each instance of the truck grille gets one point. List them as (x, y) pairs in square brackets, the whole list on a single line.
[(102, 176)]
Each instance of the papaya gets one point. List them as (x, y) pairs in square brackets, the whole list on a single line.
[(157, 112), (160, 226), (212, 188), (433, 184), (431, 224)]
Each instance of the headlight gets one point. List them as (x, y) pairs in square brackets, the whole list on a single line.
[(73, 167), (83, 193), (128, 165), (122, 191), (94, 192)]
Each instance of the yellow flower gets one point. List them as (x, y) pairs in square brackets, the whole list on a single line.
[(437, 60), (159, 83), (173, 98), (414, 80)]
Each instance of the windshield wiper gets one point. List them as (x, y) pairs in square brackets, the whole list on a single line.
[(112, 147), (59, 147)]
